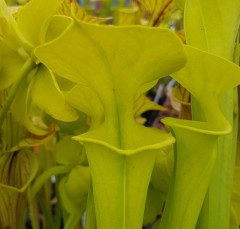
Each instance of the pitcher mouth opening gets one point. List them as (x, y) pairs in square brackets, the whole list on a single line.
[(197, 126), (154, 146)]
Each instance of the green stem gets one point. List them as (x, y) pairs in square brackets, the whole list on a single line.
[(72, 222), (27, 67), (47, 217), (90, 213), (58, 212), (33, 211), (46, 203), (46, 175)]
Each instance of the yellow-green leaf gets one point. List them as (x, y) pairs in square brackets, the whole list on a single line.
[(20, 112), (33, 17), (74, 190), (18, 170), (201, 77), (56, 27), (192, 170), (69, 152), (10, 65), (136, 60), (180, 4), (213, 34), (235, 200), (47, 95), (116, 63), (86, 100)]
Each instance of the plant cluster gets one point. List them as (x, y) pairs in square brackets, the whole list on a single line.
[(74, 152)]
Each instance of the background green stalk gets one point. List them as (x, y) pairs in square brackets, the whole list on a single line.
[(58, 208), (72, 222), (33, 210), (45, 176)]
